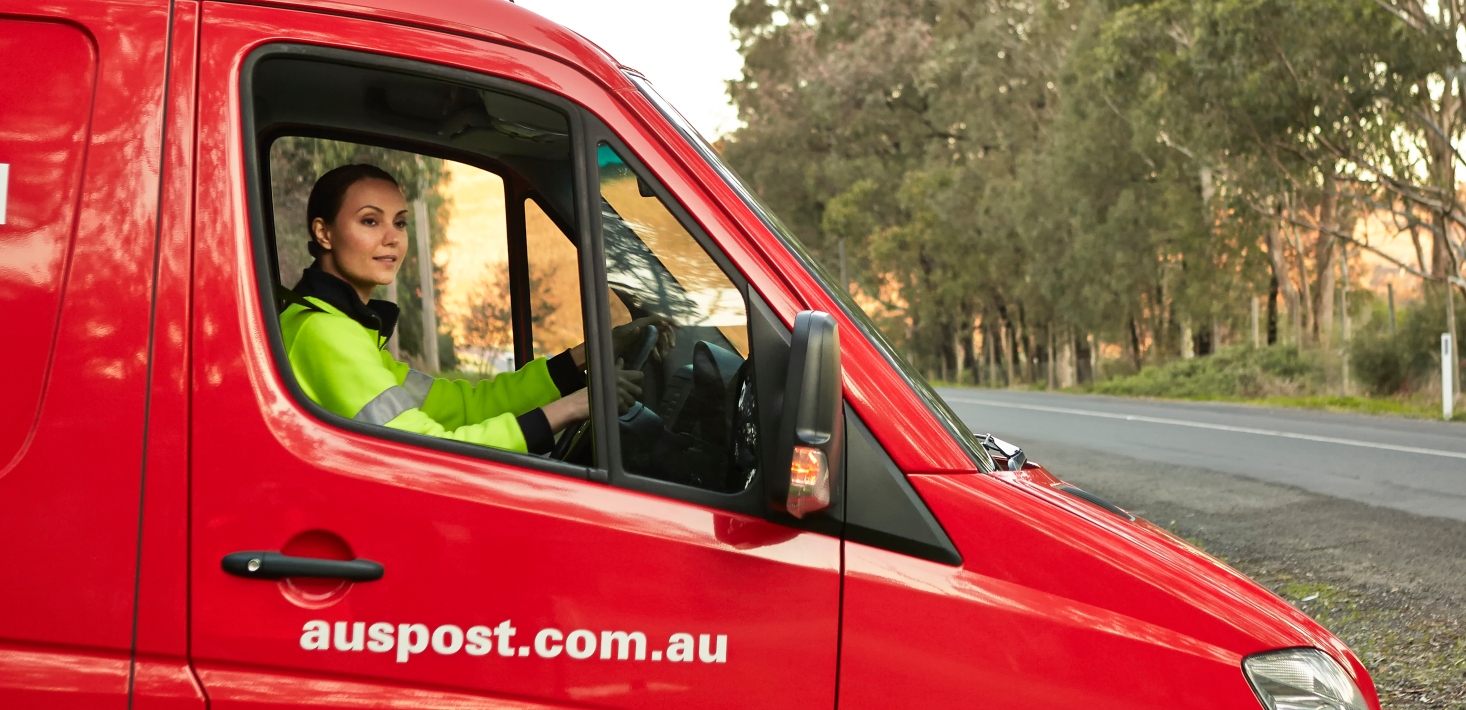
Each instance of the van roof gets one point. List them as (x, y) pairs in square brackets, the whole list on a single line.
[(494, 20)]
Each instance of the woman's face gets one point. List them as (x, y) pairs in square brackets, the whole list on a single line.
[(368, 239)]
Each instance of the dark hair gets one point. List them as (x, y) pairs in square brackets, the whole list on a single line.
[(330, 191)]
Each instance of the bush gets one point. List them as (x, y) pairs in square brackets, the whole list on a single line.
[(1409, 359), (1379, 363), (1233, 372)]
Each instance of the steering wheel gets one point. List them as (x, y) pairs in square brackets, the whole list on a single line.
[(575, 439)]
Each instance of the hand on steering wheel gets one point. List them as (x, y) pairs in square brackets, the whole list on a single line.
[(628, 387), (573, 440), (626, 336)]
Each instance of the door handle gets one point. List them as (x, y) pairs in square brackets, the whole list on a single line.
[(273, 565)]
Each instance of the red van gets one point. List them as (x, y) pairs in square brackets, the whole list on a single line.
[(789, 518)]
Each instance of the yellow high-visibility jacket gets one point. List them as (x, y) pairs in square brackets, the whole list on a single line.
[(336, 347)]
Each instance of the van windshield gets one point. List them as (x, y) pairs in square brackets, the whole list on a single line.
[(856, 314)]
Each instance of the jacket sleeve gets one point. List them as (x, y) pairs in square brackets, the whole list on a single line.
[(338, 366), (456, 403)]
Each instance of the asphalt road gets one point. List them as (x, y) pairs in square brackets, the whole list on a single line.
[(1410, 465)]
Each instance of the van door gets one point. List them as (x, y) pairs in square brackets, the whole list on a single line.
[(507, 580)]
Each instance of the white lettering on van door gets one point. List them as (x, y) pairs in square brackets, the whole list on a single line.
[(4, 188), (409, 640)]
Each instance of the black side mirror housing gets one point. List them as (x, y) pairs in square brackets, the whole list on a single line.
[(810, 435)]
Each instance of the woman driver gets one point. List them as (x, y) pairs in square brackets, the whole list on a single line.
[(335, 335)]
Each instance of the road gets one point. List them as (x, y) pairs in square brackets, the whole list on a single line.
[(1410, 465)]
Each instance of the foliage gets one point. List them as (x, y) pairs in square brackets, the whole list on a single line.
[(1231, 373), (490, 324), (1407, 360), (1011, 178)]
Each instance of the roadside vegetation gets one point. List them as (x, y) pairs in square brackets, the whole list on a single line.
[(1391, 373), (1061, 192)]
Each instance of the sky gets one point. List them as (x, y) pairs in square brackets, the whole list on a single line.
[(685, 47)]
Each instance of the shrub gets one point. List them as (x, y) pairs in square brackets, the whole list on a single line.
[(1232, 372), (1409, 359)]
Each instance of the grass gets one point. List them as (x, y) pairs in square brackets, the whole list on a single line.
[(1274, 376), (1384, 406)]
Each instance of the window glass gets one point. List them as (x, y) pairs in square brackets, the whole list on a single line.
[(867, 327), (694, 421), (554, 278), (428, 184), (472, 266), (467, 236)]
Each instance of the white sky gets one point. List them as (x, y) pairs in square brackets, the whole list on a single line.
[(685, 47)]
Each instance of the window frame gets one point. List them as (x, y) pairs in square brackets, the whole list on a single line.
[(257, 142)]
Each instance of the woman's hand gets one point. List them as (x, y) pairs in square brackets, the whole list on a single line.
[(627, 335), (572, 408), (575, 407), (628, 387)]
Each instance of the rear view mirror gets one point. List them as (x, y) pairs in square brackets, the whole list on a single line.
[(811, 431)]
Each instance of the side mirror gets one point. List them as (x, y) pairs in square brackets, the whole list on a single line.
[(1016, 457), (811, 431)]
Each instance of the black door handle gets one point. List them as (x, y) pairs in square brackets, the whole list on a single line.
[(273, 565)]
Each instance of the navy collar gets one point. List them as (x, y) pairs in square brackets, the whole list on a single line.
[(377, 315)]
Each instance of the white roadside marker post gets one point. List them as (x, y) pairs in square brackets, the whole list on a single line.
[(1448, 388), (4, 188)]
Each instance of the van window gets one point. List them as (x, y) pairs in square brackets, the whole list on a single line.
[(698, 428), (489, 280), (465, 230), (47, 93), (493, 274)]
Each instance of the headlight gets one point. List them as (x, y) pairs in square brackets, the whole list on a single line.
[(1301, 679)]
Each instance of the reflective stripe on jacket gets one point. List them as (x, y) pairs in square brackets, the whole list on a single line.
[(341, 366)]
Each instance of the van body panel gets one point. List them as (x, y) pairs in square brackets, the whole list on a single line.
[(1123, 617), (51, 73), (498, 21), (69, 499)]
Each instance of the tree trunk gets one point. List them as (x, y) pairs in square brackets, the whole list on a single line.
[(1323, 265), (1068, 368), (1084, 370), (1053, 376), (1272, 310), (1280, 281), (960, 353), (990, 341), (1303, 316), (1010, 351), (1025, 339), (1135, 354)]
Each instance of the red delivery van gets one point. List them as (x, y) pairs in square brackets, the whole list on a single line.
[(788, 517)]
